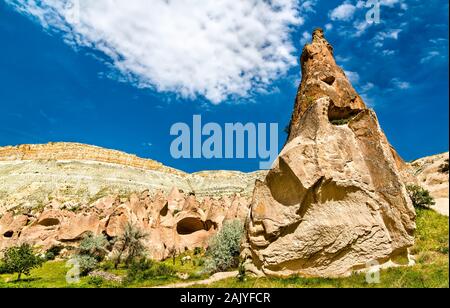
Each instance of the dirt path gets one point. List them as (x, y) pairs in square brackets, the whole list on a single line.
[(213, 278), (441, 206)]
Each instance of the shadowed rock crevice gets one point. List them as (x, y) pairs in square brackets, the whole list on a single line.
[(49, 222), (341, 115), (8, 234), (191, 225)]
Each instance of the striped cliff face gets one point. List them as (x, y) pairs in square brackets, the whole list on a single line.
[(54, 194)]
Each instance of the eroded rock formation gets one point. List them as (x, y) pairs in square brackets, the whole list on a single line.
[(335, 199), (432, 174), (173, 222), (55, 194)]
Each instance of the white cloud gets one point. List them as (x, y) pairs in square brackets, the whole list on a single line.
[(430, 55), (344, 12), (367, 87), (308, 6), (399, 84), (360, 27), (328, 27), (342, 59), (353, 77), (306, 38), (390, 34), (388, 52), (214, 49), (389, 3)]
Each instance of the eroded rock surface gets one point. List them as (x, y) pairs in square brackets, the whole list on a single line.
[(335, 199), (173, 222), (55, 194), (432, 174)]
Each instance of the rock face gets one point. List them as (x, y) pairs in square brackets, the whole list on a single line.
[(173, 222), (74, 175), (55, 194), (432, 174), (335, 199)]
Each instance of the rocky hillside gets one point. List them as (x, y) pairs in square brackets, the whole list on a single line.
[(54, 194), (432, 173), (75, 175)]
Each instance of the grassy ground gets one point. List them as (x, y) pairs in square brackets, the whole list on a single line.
[(53, 275), (431, 269)]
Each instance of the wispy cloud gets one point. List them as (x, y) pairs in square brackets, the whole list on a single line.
[(305, 38), (400, 84), (353, 77), (344, 12)]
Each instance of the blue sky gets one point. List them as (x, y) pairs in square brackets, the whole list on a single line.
[(60, 82)]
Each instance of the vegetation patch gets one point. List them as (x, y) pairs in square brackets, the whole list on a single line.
[(420, 197), (430, 271)]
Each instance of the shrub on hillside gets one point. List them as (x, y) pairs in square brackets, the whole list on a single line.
[(53, 252), (224, 247), (420, 197), (129, 246), (141, 270), (91, 251), (86, 264), (94, 246)]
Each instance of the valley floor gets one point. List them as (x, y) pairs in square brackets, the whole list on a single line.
[(431, 269)]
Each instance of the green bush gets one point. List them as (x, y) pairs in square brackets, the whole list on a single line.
[(420, 197), (139, 270), (198, 251), (86, 264), (146, 269), (107, 265), (130, 246), (94, 246), (53, 252), (163, 270), (224, 247), (96, 281), (2, 269), (242, 273), (21, 260)]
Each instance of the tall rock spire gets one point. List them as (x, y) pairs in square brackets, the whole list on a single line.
[(322, 77), (334, 201)]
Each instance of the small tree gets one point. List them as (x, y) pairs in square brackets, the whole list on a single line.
[(21, 260), (94, 246), (420, 197), (86, 264), (130, 245), (224, 247), (173, 254)]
